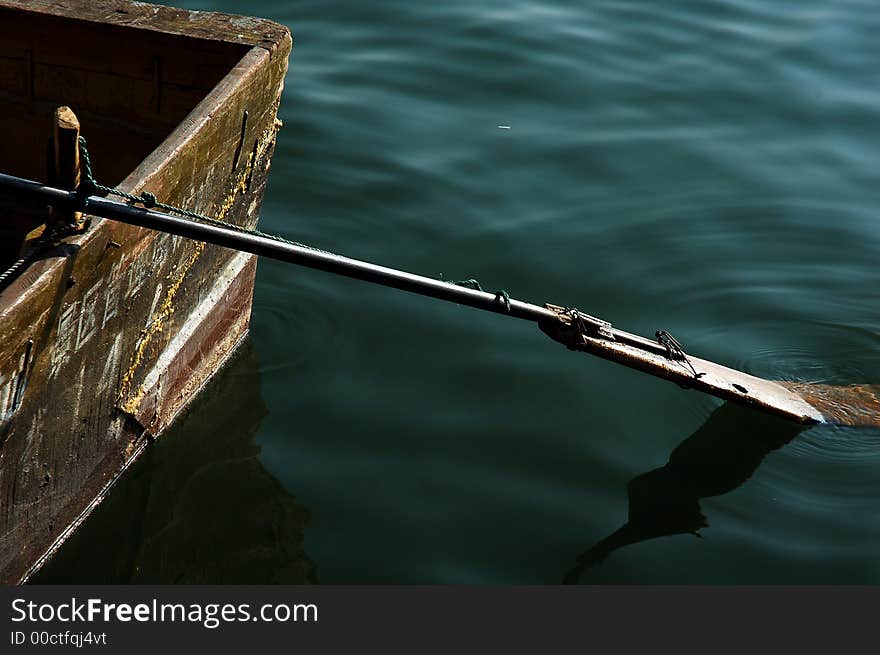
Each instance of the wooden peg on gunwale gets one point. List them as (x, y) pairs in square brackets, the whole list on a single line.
[(65, 152)]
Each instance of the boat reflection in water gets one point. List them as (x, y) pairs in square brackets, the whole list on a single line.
[(716, 459), (198, 507)]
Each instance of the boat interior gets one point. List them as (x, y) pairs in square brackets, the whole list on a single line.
[(129, 87)]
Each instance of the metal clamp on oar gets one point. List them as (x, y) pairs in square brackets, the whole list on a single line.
[(572, 326), (675, 351)]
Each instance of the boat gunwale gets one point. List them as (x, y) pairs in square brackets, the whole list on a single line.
[(40, 272), (191, 24)]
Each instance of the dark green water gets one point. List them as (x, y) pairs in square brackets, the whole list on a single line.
[(710, 168)]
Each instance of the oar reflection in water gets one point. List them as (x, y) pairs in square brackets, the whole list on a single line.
[(716, 459)]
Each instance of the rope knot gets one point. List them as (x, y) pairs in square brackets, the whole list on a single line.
[(84, 189), (469, 284), (147, 199), (503, 298)]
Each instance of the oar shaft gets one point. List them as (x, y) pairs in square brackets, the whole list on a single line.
[(282, 251), (316, 259), (578, 331)]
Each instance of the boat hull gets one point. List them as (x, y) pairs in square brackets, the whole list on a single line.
[(109, 336)]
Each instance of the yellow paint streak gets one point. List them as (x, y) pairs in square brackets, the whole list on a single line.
[(157, 322), (131, 404), (241, 186)]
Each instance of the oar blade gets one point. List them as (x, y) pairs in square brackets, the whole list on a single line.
[(854, 405), (800, 402)]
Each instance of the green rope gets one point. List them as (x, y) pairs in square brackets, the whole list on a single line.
[(501, 295), (149, 201), (89, 186), (470, 284)]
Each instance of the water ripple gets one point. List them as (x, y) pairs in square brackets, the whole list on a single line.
[(707, 168)]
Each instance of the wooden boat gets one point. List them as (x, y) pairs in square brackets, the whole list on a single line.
[(107, 335)]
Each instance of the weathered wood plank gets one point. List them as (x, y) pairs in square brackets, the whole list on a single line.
[(205, 181), (209, 26), (99, 317)]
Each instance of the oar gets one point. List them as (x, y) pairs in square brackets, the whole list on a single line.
[(664, 358)]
